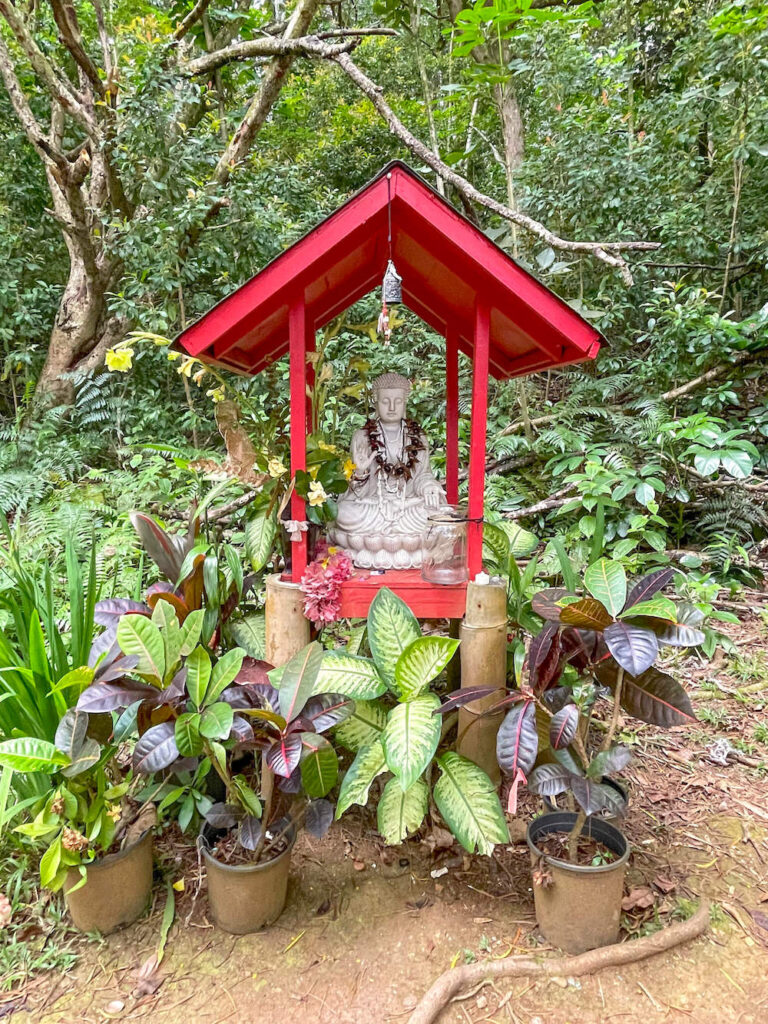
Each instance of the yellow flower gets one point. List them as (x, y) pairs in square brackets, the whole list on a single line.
[(119, 359), (198, 377), (317, 495), (275, 468), (173, 356), (114, 813), (349, 468), (187, 366), (324, 447), (217, 394)]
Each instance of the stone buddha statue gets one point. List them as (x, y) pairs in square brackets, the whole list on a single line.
[(383, 514)]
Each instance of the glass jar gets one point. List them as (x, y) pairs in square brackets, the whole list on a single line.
[(444, 550)]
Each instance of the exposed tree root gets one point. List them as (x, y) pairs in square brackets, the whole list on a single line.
[(450, 984)]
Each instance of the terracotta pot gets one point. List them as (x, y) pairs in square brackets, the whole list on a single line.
[(580, 908), (246, 897), (117, 889)]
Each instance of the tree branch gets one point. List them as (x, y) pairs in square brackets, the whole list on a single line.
[(191, 19), (269, 90), (45, 146), (54, 80), (300, 46), (66, 19), (608, 252)]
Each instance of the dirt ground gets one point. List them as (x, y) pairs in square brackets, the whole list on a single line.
[(367, 929)]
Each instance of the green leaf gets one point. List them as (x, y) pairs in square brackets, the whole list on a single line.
[(350, 675), (250, 634), (248, 797), (198, 675), (139, 637), (411, 736), (401, 812), (298, 680), (29, 754), (607, 582), (737, 463), (224, 672), (658, 607), (391, 627), (495, 546), (468, 802), (187, 733), (259, 539), (521, 542), (421, 662), (190, 631), (319, 765), (216, 721), (368, 763), (363, 726), (86, 757), (49, 862)]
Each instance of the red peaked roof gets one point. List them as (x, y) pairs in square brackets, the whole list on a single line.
[(446, 263)]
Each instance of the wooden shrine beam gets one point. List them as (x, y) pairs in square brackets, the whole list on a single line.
[(299, 329), (452, 415), (478, 436)]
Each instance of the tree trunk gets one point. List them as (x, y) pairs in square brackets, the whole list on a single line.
[(76, 331)]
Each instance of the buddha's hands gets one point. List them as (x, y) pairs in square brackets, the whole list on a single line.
[(433, 496)]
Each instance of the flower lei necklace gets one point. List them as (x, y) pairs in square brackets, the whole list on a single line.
[(411, 448)]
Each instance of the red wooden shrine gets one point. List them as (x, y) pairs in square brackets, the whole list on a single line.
[(455, 278)]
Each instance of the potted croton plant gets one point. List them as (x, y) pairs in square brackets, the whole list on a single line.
[(98, 839), (223, 716), (596, 646), (399, 727)]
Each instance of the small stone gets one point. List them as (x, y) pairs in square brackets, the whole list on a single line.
[(358, 865), (116, 1006), (559, 981)]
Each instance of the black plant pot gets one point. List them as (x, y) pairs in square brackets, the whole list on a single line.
[(578, 906)]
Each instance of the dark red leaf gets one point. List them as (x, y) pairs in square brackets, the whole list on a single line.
[(645, 588), (319, 817), (653, 697), (284, 755), (156, 749), (326, 710), (544, 603), (517, 742), (582, 647), (592, 796), (563, 726), (111, 610), (635, 648), (544, 657), (250, 832), (464, 696), (550, 779), (100, 697)]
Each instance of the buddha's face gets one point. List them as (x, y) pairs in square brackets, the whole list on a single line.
[(390, 405)]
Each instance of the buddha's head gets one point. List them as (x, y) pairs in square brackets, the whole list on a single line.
[(390, 395)]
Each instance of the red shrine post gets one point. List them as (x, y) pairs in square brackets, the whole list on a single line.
[(456, 279)]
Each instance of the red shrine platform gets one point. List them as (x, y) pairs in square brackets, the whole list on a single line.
[(454, 277)]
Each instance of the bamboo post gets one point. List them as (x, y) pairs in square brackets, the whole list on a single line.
[(287, 630), (483, 634)]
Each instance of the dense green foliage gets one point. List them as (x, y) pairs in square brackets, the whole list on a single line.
[(638, 121)]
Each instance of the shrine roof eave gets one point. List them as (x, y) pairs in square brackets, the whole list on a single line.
[(447, 265)]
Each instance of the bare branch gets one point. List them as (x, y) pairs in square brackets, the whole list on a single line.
[(269, 90), (57, 84), (608, 252), (45, 146), (106, 46), (267, 46), (191, 19), (66, 19)]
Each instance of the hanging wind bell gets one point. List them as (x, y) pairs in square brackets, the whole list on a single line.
[(392, 285)]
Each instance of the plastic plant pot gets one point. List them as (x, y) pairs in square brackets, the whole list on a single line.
[(117, 888), (580, 906), (244, 898)]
